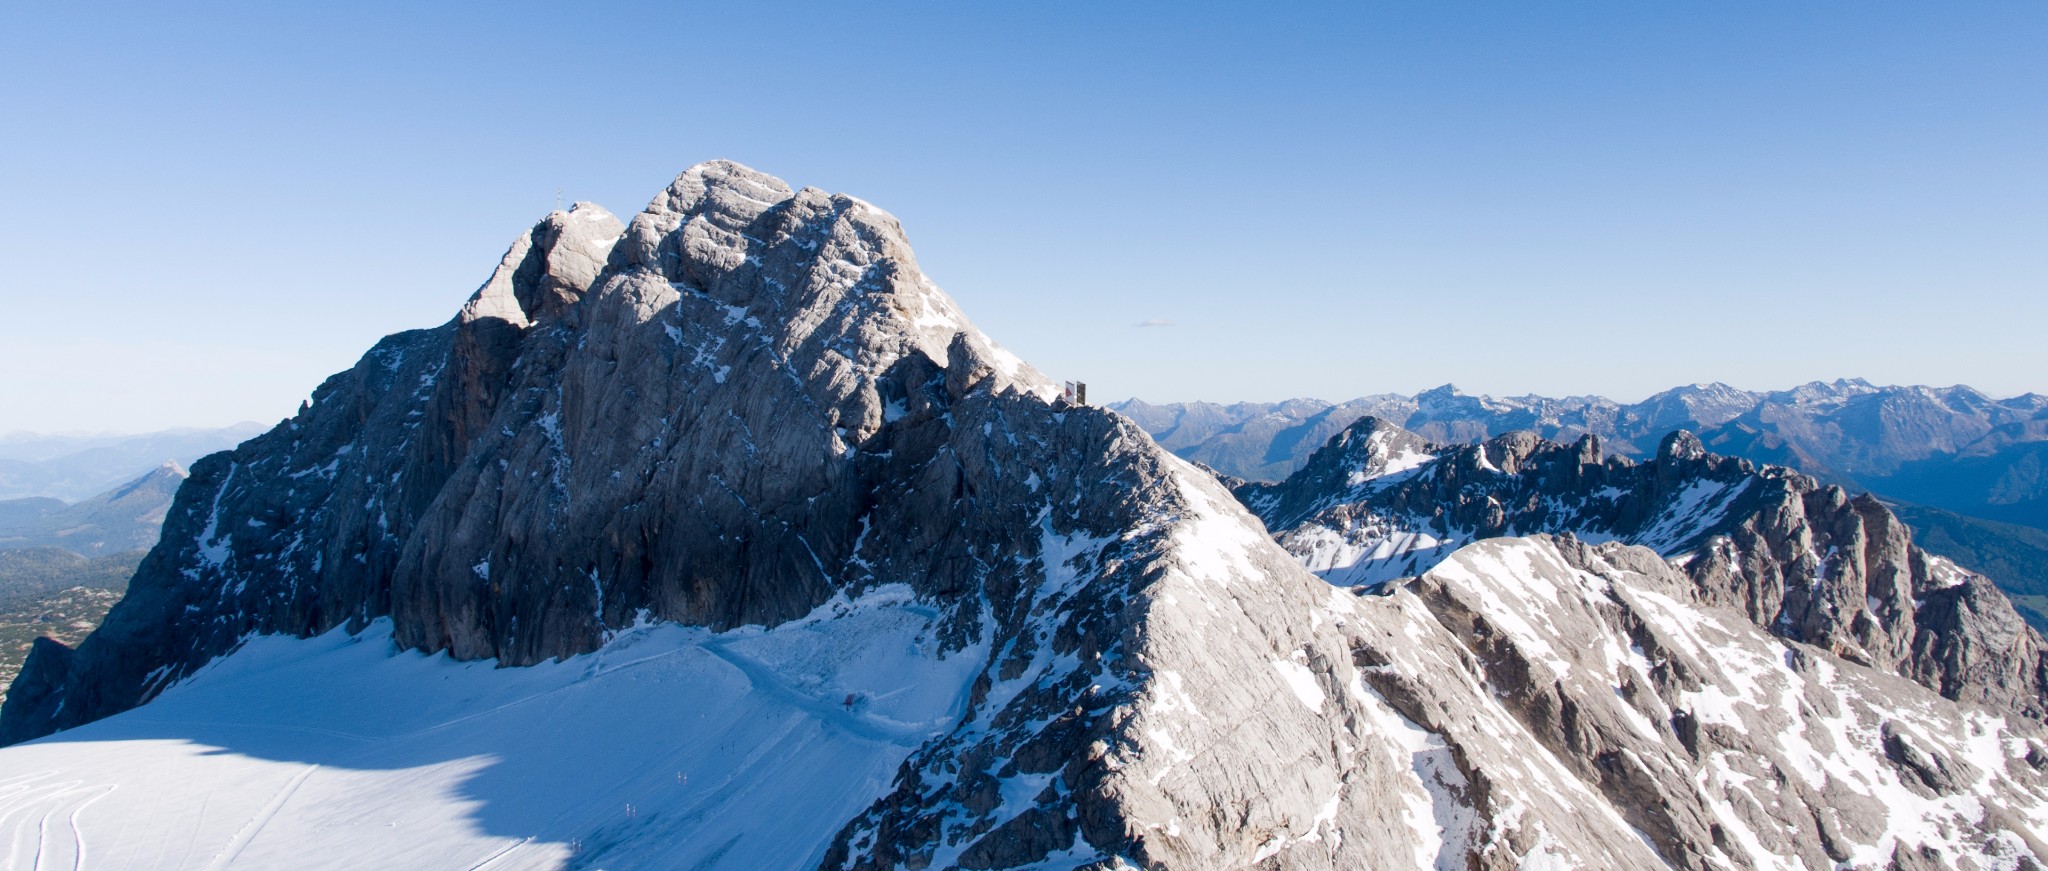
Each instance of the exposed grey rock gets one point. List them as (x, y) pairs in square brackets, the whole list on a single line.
[(1719, 744), (1805, 560), (700, 430)]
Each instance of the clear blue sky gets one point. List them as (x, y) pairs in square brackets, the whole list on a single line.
[(212, 206)]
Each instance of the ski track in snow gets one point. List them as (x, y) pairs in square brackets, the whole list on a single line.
[(827, 711), (256, 823), (28, 812)]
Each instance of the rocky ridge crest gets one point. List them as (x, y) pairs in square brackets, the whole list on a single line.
[(1804, 560)]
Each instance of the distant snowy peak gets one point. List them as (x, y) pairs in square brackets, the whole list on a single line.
[(1694, 406), (75, 468), (1805, 561), (1826, 392), (1367, 455), (159, 482)]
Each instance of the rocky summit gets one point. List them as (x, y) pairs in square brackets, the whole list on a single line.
[(747, 416)]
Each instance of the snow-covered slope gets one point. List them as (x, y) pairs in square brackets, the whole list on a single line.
[(1588, 693), (669, 747)]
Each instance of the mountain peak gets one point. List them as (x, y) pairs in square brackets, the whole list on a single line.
[(1837, 390), (605, 417), (1699, 388), (548, 267), (1749, 537), (811, 273), (1373, 447), (719, 183), (1369, 425), (1360, 456), (155, 485), (1681, 445)]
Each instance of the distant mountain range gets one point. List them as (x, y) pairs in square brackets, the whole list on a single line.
[(125, 518), (1804, 560), (76, 467), (1968, 473), (1952, 448)]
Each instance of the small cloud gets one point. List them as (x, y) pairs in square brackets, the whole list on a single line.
[(1154, 322)]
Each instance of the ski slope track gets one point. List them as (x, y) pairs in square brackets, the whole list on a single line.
[(721, 539)]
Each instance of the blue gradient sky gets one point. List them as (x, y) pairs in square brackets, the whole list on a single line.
[(212, 206)]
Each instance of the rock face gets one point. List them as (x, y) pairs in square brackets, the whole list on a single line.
[(1803, 560), (757, 405), (1593, 678)]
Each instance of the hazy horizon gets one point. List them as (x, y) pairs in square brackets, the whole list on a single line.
[(1333, 400)]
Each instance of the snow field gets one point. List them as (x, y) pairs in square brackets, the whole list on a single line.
[(671, 747)]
